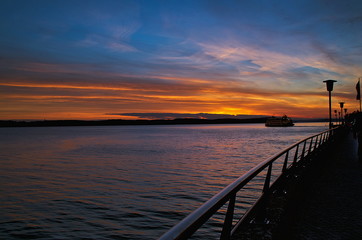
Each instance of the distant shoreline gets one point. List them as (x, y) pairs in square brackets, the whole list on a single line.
[(117, 122)]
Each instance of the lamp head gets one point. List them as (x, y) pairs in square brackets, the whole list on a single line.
[(330, 84)]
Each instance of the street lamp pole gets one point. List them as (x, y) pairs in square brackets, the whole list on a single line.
[(341, 105), (329, 84)]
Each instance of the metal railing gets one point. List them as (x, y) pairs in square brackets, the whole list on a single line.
[(292, 156)]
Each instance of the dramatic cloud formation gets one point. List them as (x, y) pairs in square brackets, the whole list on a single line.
[(129, 59)]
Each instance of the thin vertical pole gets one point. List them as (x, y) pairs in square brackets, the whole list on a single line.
[(310, 145), (359, 90), (285, 161), (316, 142), (330, 109), (303, 151), (225, 234), (296, 154), (267, 179)]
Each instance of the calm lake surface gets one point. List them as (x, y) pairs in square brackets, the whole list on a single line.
[(123, 182)]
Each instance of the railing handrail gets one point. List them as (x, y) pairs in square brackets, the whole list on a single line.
[(193, 221)]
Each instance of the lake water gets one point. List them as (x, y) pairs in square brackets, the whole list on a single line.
[(123, 182)]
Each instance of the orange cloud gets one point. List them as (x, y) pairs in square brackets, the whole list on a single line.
[(27, 97)]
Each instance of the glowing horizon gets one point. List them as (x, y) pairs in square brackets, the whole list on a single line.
[(97, 60)]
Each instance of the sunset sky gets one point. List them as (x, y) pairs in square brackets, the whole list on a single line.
[(72, 59)]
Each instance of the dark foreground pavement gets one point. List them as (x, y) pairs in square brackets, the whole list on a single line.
[(330, 207)]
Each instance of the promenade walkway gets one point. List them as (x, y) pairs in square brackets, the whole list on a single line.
[(331, 207)]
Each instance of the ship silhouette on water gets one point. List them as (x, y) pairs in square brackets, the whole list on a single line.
[(283, 121)]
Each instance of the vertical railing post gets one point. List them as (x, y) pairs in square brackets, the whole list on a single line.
[(296, 154), (310, 146), (285, 161), (316, 142), (228, 222), (333, 134), (320, 141), (267, 179), (303, 151)]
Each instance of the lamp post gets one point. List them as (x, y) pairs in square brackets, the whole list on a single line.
[(341, 105), (329, 84)]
